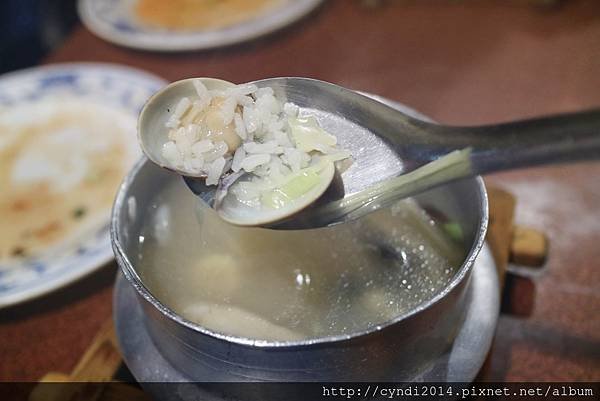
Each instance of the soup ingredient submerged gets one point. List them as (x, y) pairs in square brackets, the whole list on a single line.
[(291, 285)]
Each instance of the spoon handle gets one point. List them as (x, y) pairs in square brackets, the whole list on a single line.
[(483, 149), (539, 141), (450, 167)]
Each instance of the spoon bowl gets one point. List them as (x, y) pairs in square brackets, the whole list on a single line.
[(152, 134), (386, 144)]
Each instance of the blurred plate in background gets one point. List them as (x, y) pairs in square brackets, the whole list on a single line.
[(177, 25), (67, 138)]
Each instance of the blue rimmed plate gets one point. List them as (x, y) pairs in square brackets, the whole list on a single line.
[(116, 21), (67, 137)]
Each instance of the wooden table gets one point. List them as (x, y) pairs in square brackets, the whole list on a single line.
[(462, 62)]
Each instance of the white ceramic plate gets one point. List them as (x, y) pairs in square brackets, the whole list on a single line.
[(102, 89), (114, 21)]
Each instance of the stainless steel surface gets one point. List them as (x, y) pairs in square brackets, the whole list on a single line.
[(545, 140), (385, 193), (550, 139), (408, 342), (362, 123), (460, 362)]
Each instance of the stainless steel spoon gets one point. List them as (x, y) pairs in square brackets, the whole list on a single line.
[(393, 151)]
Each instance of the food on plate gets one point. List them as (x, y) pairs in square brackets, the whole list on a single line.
[(60, 166), (183, 15)]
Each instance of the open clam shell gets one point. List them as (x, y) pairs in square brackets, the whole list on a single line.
[(231, 209), (152, 132)]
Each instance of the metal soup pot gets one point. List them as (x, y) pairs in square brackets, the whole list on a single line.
[(396, 350), (400, 349)]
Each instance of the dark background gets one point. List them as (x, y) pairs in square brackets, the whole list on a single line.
[(30, 29)]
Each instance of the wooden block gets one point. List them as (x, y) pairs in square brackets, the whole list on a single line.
[(54, 386), (528, 247), (98, 364), (500, 230), (81, 391), (101, 359), (55, 377), (123, 392)]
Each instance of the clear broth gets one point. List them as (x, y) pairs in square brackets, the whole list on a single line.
[(292, 285)]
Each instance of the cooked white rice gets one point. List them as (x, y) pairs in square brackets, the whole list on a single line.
[(265, 127)]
